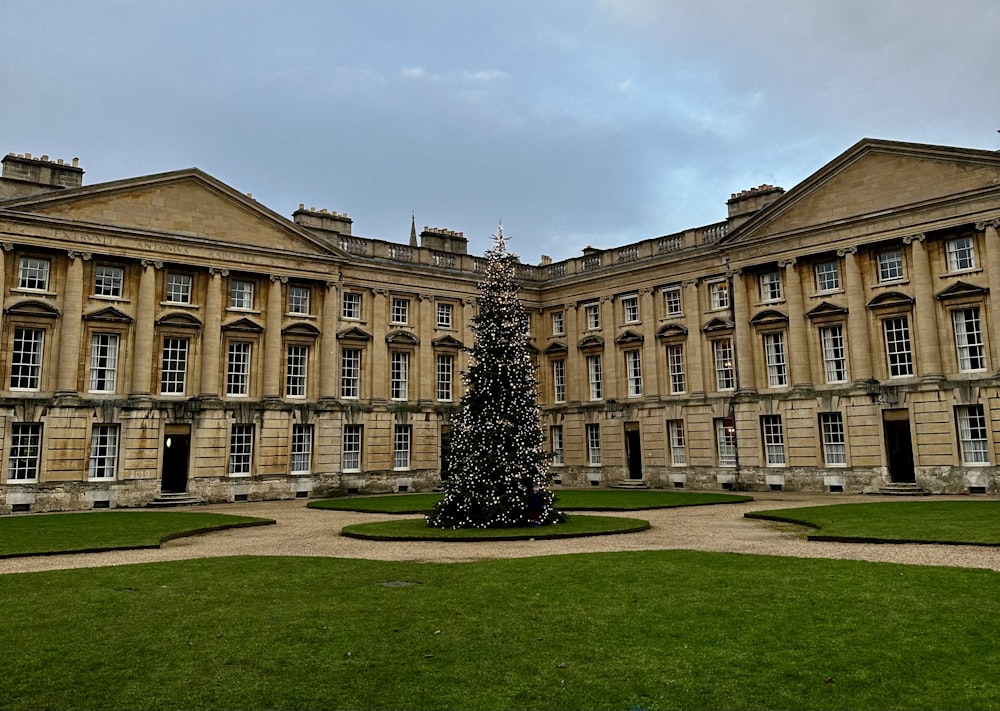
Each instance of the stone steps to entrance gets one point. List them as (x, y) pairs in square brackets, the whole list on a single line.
[(169, 499), (902, 489), (630, 484)]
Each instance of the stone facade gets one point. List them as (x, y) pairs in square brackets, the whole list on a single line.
[(169, 334)]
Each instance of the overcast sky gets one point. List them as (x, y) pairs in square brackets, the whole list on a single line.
[(576, 122)]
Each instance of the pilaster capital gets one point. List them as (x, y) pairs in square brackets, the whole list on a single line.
[(847, 251), (381, 292), (607, 299), (218, 272), (424, 297), (646, 291), (155, 264), (785, 263), (919, 237), (468, 302), (73, 254), (279, 277), (980, 226), (331, 285), (7, 246), (690, 282)]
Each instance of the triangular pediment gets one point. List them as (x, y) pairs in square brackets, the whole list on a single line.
[(717, 324), (34, 308), (961, 289), (401, 338), (179, 320), (556, 348), (353, 334), (188, 203), (243, 325), (447, 342), (108, 314), (672, 330), (591, 342), (868, 180), (629, 337), (891, 299), (769, 316), (826, 309)]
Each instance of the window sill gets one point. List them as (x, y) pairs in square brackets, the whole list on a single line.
[(33, 292), (178, 305), (238, 310), (296, 314), (115, 299)]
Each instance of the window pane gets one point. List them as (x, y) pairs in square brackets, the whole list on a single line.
[(302, 436), (103, 451), (240, 450), (108, 280), (296, 363), (103, 362), (26, 359)]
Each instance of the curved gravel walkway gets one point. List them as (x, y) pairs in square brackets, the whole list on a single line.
[(310, 532)]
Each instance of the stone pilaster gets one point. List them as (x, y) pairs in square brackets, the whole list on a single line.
[(145, 321), (329, 375), (926, 310), (378, 364), (423, 371), (693, 357), (798, 348), (612, 360), (272, 338), (858, 344), (991, 247), (743, 346), (69, 332), (4, 248), (650, 371), (212, 335)]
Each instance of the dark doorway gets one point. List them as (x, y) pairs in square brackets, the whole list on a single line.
[(176, 451), (633, 450), (445, 452), (898, 446)]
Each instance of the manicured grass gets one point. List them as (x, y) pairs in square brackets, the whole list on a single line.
[(650, 630), (416, 529), (960, 522), (108, 530), (566, 500)]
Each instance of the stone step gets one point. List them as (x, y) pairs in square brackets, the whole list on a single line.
[(902, 489), (630, 484), (169, 499)]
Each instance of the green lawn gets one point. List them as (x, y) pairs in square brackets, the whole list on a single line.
[(416, 529), (970, 522), (566, 500), (649, 630), (107, 530)]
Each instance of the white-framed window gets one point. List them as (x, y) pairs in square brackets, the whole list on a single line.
[(350, 373), (179, 288), (675, 367), (592, 312), (558, 323), (240, 450), (556, 435), (774, 440), (831, 427), (678, 450), (400, 313), (969, 339), (890, 265), (238, 369), (898, 352), (725, 441), (445, 376), (972, 434), (593, 444), (26, 358), (595, 377), (672, 301), (961, 254), (770, 286), (774, 358), (351, 459), (725, 371), (351, 307), (296, 369), (241, 294), (108, 280), (25, 451), (401, 446), (103, 452), (173, 368), (444, 315), (633, 372), (33, 274), (103, 362), (831, 339), (299, 299), (630, 309), (399, 367), (827, 276), (718, 295), (301, 455), (559, 380)]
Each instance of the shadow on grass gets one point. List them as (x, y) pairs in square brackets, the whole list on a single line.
[(416, 529)]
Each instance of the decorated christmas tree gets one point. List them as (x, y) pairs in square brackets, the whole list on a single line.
[(497, 462)]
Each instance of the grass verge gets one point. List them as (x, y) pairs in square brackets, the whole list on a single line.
[(50, 534), (650, 630), (416, 529), (566, 500), (950, 522)]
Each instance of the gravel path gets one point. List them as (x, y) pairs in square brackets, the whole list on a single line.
[(307, 532)]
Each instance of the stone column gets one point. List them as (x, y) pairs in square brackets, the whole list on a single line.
[(272, 339), (926, 331), (743, 347), (693, 358), (145, 320), (612, 360), (4, 248), (798, 348), (378, 365), (576, 386), (212, 335), (423, 371), (69, 332), (329, 376), (650, 373), (858, 344), (991, 246)]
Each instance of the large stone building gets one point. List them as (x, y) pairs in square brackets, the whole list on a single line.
[(168, 335)]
